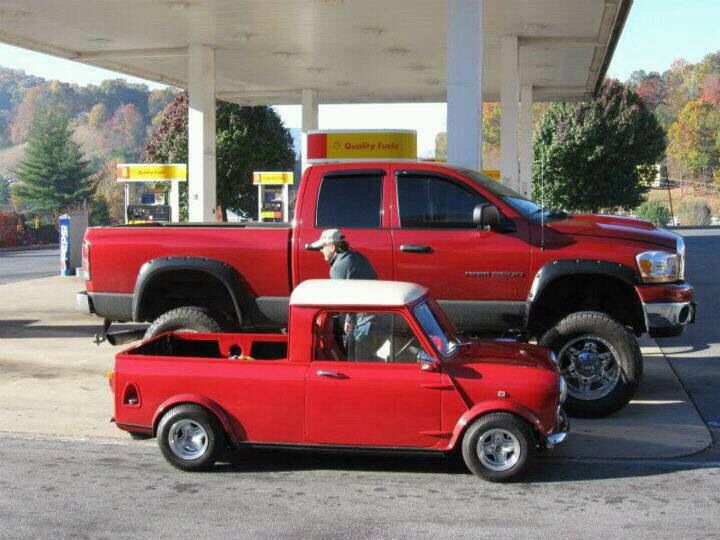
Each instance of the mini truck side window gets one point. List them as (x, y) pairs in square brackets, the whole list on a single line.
[(384, 338), (352, 201)]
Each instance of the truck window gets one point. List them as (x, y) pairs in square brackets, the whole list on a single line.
[(349, 202), (428, 202), (378, 337)]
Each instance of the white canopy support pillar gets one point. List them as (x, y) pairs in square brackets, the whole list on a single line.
[(310, 110), (201, 134), (526, 139), (464, 82), (175, 202), (509, 102)]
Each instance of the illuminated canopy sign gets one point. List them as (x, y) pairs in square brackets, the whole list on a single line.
[(361, 145), (151, 172)]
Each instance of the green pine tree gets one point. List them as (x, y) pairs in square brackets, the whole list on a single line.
[(53, 175), (4, 191)]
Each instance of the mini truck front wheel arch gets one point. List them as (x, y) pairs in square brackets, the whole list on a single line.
[(499, 447), (190, 437), (600, 361)]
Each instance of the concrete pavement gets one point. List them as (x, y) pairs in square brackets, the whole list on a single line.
[(52, 381), (122, 489)]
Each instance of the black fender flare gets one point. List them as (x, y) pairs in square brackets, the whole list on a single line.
[(221, 271), (567, 267)]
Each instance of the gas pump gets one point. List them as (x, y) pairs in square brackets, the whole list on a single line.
[(149, 204), (273, 195)]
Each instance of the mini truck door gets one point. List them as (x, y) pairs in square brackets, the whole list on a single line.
[(374, 401)]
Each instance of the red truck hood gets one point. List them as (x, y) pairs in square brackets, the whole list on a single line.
[(507, 353), (624, 228)]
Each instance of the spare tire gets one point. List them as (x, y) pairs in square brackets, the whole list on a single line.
[(185, 319), (600, 361)]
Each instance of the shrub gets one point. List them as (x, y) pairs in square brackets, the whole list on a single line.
[(11, 229), (655, 212), (694, 212)]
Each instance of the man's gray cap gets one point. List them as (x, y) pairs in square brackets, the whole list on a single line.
[(328, 236)]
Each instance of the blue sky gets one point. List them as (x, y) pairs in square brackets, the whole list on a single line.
[(656, 33)]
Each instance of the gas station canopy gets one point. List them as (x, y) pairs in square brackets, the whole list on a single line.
[(350, 51)]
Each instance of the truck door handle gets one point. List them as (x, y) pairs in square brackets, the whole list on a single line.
[(414, 248), (323, 373)]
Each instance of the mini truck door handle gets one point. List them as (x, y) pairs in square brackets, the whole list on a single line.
[(415, 248), (324, 373)]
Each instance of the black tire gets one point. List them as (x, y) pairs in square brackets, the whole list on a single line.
[(190, 318), (604, 379), (203, 451), (137, 436), (515, 432)]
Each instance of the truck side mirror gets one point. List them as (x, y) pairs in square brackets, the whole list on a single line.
[(486, 216), (426, 361)]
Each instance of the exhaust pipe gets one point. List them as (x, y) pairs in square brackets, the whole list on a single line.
[(124, 336)]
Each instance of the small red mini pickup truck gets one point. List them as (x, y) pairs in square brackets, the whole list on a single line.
[(416, 385), (582, 285)]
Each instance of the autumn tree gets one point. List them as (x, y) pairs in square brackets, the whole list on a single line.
[(248, 139), (652, 90), (695, 139), (52, 95), (53, 175), (710, 90), (590, 152), (97, 116), (126, 130), (158, 100), (111, 190), (26, 112)]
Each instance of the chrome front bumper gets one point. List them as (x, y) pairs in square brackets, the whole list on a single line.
[(560, 433), (668, 315)]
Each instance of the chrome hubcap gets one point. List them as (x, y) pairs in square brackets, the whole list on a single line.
[(498, 449), (590, 367), (188, 439)]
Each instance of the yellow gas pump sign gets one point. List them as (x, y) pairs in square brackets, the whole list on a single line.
[(273, 178), (151, 172)]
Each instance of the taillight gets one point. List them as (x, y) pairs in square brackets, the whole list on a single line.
[(111, 376), (86, 259)]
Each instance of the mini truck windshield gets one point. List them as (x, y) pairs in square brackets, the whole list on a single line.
[(444, 340)]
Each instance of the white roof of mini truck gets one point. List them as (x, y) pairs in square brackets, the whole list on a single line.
[(355, 292)]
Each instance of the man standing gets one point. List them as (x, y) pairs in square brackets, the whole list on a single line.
[(346, 263)]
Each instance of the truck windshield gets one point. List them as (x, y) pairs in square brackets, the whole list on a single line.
[(444, 339), (520, 203)]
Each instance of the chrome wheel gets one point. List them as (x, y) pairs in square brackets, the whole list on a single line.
[(188, 439), (590, 367), (498, 449)]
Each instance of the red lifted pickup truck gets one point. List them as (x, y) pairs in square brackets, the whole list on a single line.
[(584, 285), (420, 387)]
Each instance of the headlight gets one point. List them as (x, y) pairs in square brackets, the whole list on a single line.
[(658, 266), (562, 388)]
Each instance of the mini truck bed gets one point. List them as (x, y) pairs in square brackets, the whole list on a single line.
[(209, 346)]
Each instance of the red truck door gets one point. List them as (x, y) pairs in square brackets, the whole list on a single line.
[(479, 277), (349, 199), (382, 399)]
